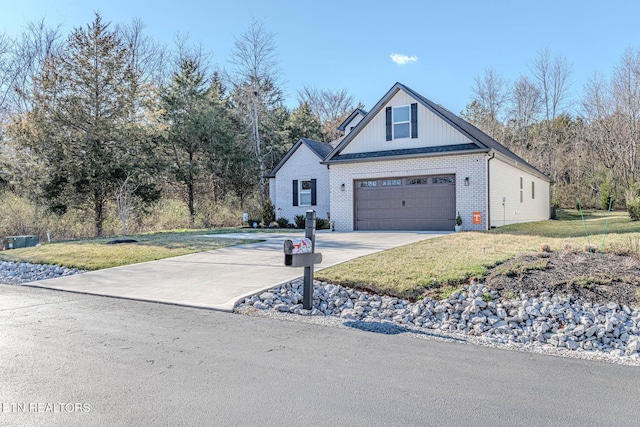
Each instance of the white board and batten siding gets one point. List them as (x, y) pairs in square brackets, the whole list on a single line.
[(353, 123), (432, 131), (505, 183), (303, 164)]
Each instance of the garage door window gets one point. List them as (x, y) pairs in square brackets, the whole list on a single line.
[(391, 182), (364, 184), (418, 181), (443, 180)]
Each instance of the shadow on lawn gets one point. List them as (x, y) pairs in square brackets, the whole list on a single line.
[(393, 329)]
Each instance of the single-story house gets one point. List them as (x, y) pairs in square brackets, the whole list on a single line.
[(409, 164)]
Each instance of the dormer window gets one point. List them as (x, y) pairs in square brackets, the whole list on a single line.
[(402, 122)]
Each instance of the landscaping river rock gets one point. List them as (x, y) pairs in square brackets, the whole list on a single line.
[(13, 273), (546, 323)]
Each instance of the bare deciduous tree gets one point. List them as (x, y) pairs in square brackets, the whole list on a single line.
[(256, 83), (330, 106), (31, 50), (552, 75), (525, 107), (490, 93), (125, 200)]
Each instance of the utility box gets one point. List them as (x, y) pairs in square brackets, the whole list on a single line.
[(15, 242)]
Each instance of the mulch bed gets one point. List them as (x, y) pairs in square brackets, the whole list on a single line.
[(590, 277)]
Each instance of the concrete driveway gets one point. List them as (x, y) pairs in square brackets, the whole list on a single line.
[(218, 279)]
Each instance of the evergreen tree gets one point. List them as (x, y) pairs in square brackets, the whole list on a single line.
[(80, 126), (197, 141), (302, 123)]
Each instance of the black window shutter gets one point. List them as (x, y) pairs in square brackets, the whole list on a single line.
[(414, 120), (313, 192), (295, 192), (388, 123)]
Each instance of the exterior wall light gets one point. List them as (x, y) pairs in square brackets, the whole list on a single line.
[(466, 182), (342, 187)]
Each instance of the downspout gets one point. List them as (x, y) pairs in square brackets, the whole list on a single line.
[(493, 154)]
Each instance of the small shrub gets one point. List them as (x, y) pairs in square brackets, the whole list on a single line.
[(282, 222), (486, 297), (268, 212), (633, 207), (545, 248), (322, 224), (606, 194), (568, 247), (299, 220), (458, 219)]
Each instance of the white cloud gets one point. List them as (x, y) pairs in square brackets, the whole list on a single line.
[(402, 59)]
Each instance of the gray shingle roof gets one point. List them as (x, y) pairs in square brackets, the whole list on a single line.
[(407, 152), (321, 149)]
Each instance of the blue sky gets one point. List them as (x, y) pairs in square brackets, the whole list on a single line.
[(349, 43)]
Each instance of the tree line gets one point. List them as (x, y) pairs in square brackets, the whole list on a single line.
[(107, 119), (107, 116), (587, 141)]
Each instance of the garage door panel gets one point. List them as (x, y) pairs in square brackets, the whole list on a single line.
[(422, 206)]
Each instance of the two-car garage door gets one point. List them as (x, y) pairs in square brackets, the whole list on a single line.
[(409, 203)]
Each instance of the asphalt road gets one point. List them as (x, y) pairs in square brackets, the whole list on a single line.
[(136, 363)]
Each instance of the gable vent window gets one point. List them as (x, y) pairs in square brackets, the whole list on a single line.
[(402, 122)]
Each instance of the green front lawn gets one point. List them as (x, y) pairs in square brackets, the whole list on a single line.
[(409, 271), (95, 254)]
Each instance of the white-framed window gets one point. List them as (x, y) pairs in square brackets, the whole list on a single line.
[(391, 182), (521, 190), (401, 122), (304, 194)]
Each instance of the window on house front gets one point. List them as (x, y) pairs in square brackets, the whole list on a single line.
[(521, 190), (533, 190), (305, 193), (401, 122)]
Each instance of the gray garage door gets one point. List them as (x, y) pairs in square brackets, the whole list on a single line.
[(410, 203)]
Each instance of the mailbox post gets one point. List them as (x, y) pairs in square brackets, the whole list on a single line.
[(301, 253)]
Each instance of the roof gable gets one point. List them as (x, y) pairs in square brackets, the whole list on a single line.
[(477, 140), (352, 116), (320, 149)]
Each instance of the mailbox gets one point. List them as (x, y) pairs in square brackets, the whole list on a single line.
[(298, 246), (301, 253)]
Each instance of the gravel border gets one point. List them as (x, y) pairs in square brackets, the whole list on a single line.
[(16, 273), (283, 303)]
